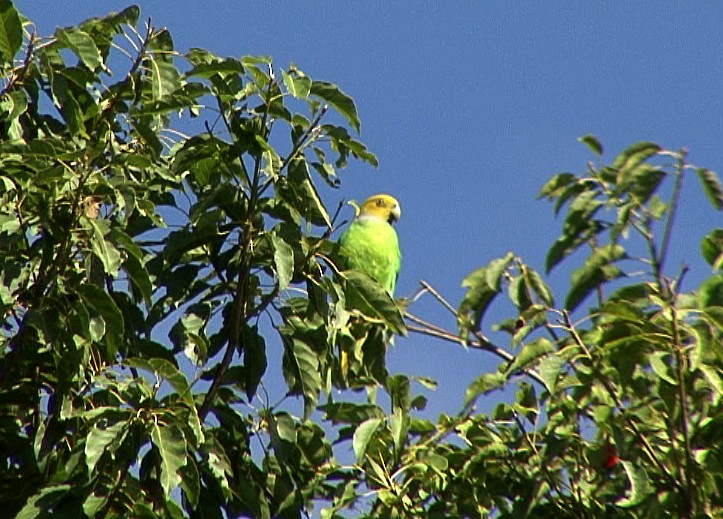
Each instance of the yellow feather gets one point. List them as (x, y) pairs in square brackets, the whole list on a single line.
[(381, 206)]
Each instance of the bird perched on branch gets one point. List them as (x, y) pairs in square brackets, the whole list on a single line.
[(370, 243)]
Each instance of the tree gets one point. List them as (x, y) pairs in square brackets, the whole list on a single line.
[(118, 231)]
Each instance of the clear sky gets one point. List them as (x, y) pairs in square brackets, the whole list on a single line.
[(471, 109)]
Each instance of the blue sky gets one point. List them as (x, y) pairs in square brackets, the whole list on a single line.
[(470, 110)]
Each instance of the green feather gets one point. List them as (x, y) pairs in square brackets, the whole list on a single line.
[(371, 245)]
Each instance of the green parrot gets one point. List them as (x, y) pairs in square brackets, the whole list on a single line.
[(370, 243)]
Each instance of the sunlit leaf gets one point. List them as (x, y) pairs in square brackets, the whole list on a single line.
[(711, 187), (538, 285), (495, 269), (579, 227), (476, 300), (549, 369), (171, 445), (556, 185), (592, 142), (284, 261), (529, 353), (712, 248), (639, 485), (373, 300), (596, 270), (483, 385), (363, 436), (627, 162), (333, 95), (660, 362), (101, 440), (43, 501), (81, 44), (298, 85), (104, 249)]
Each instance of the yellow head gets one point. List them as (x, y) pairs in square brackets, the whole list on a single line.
[(384, 207)]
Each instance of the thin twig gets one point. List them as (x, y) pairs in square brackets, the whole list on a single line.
[(429, 288), (431, 330)]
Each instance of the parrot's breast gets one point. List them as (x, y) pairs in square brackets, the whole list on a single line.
[(371, 245)]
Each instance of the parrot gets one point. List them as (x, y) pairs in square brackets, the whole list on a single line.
[(370, 243)]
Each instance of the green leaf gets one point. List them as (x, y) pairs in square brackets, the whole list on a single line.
[(427, 382), (711, 291), (592, 142), (70, 109), (339, 100), (99, 441), (301, 371), (81, 44), (634, 155), (712, 249), (639, 485), (711, 187), (139, 276), (643, 181), (104, 250), (11, 31), (298, 192), (373, 300), (165, 78), (713, 376), (363, 435), (399, 423), (191, 481), (42, 503), (714, 315), (549, 370), (169, 372), (187, 333), (298, 85), (657, 207), (626, 164), (660, 362), (399, 390), (578, 228), (283, 260), (171, 445), (596, 270), (255, 363), (529, 353), (476, 300), (350, 413), (556, 185), (282, 430), (15, 104), (495, 269), (482, 385), (534, 280), (100, 303)]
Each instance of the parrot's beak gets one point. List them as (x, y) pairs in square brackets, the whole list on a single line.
[(395, 214)]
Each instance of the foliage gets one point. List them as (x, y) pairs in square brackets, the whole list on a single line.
[(118, 231)]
